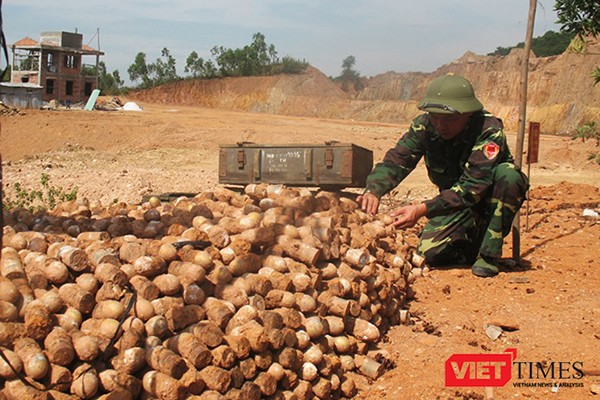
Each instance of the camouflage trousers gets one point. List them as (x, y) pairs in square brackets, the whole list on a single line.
[(458, 238)]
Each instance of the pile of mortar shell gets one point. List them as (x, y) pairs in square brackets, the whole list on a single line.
[(273, 292)]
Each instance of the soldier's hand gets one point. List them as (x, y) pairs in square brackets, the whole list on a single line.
[(368, 202), (407, 216)]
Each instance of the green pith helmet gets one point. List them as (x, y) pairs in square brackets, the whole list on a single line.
[(450, 94)]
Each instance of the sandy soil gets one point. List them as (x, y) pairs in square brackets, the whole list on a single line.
[(551, 301)]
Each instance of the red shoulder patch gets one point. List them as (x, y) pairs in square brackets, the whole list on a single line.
[(491, 150)]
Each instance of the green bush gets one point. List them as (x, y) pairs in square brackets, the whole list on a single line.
[(591, 132), (588, 131), (47, 198), (288, 65), (594, 157)]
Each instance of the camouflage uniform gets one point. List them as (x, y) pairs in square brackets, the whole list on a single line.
[(481, 190)]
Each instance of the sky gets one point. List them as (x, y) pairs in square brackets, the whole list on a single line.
[(382, 35)]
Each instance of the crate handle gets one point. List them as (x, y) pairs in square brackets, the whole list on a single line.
[(256, 170), (308, 153), (241, 159), (329, 158)]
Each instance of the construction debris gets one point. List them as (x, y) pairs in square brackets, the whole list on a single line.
[(116, 104), (9, 110)]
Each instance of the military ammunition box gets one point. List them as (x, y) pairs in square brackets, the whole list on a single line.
[(331, 164)]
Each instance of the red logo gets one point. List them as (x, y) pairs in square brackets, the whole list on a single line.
[(491, 150), (480, 369)]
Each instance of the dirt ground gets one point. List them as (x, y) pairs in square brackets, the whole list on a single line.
[(549, 304)]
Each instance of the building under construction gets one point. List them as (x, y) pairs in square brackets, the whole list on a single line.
[(59, 65)]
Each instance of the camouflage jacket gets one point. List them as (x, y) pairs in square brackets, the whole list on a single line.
[(461, 168)]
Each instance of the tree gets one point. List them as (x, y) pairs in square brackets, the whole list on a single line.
[(251, 60), (193, 64), (350, 78), (139, 71), (262, 54), (550, 44), (164, 68), (348, 66), (258, 58), (582, 18), (117, 78), (230, 62), (209, 70), (198, 67), (108, 83), (161, 71)]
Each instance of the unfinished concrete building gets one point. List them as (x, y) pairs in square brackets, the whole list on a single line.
[(65, 68)]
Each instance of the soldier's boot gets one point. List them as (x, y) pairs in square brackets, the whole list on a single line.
[(484, 267)]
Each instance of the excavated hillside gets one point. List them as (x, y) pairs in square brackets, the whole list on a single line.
[(561, 91)]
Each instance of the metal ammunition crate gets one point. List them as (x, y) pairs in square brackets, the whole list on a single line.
[(331, 164)]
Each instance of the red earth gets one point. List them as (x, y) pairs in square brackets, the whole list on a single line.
[(548, 304)]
